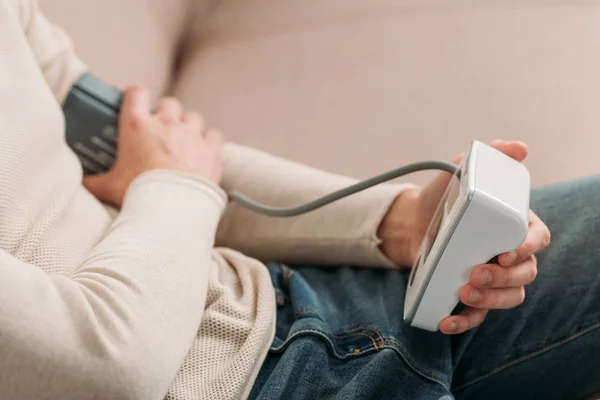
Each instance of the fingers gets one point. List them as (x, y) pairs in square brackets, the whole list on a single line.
[(214, 140), (496, 276), (169, 110), (538, 238), (513, 149), (497, 299), (194, 120), (469, 318), (135, 109)]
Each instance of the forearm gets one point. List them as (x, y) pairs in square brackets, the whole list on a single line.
[(121, 324), (398, 229), (344, 232)]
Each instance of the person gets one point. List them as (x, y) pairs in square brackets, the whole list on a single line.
[(168, 293)]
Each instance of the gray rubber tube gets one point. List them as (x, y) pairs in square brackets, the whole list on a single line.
[(253, 205)]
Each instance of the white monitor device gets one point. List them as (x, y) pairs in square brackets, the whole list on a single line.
[(484, 212)]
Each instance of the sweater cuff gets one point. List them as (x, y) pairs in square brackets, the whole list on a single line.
[(172, 177), (167, 218)]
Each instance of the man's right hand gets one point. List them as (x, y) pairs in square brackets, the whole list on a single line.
[(170, 139), (498, 285)]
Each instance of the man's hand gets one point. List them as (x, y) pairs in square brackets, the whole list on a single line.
[(168, 139), (491, 286)]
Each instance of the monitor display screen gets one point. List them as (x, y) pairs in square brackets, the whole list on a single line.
[(446, 204), (443, 210)]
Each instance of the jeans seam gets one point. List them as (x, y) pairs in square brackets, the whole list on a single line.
[(404, 354), (529, 356), (303, 311), (367, 329), (286, 273), (318, 333), (398, 348), (324, 335), (359, 334)]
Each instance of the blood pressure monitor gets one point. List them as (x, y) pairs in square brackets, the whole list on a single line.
[(484, 212)]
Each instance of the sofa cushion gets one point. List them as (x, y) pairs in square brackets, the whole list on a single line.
[(359, 87), (125, 41)]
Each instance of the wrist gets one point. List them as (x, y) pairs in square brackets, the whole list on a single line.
[(397, 229)]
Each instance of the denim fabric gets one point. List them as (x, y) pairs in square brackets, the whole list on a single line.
[(340, 333)]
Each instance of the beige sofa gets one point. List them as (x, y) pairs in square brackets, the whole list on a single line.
[(362, 86)]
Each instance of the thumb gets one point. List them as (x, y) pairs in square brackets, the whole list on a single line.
[(104, 187), (436, 188), (514, 149)]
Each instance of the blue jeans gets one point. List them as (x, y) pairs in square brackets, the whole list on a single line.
[(340, 333)]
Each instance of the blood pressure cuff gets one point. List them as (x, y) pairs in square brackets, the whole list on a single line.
[(91, 112)]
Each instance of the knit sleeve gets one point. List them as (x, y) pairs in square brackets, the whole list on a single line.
[(51, 47), (343, 232), (120, 325)]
